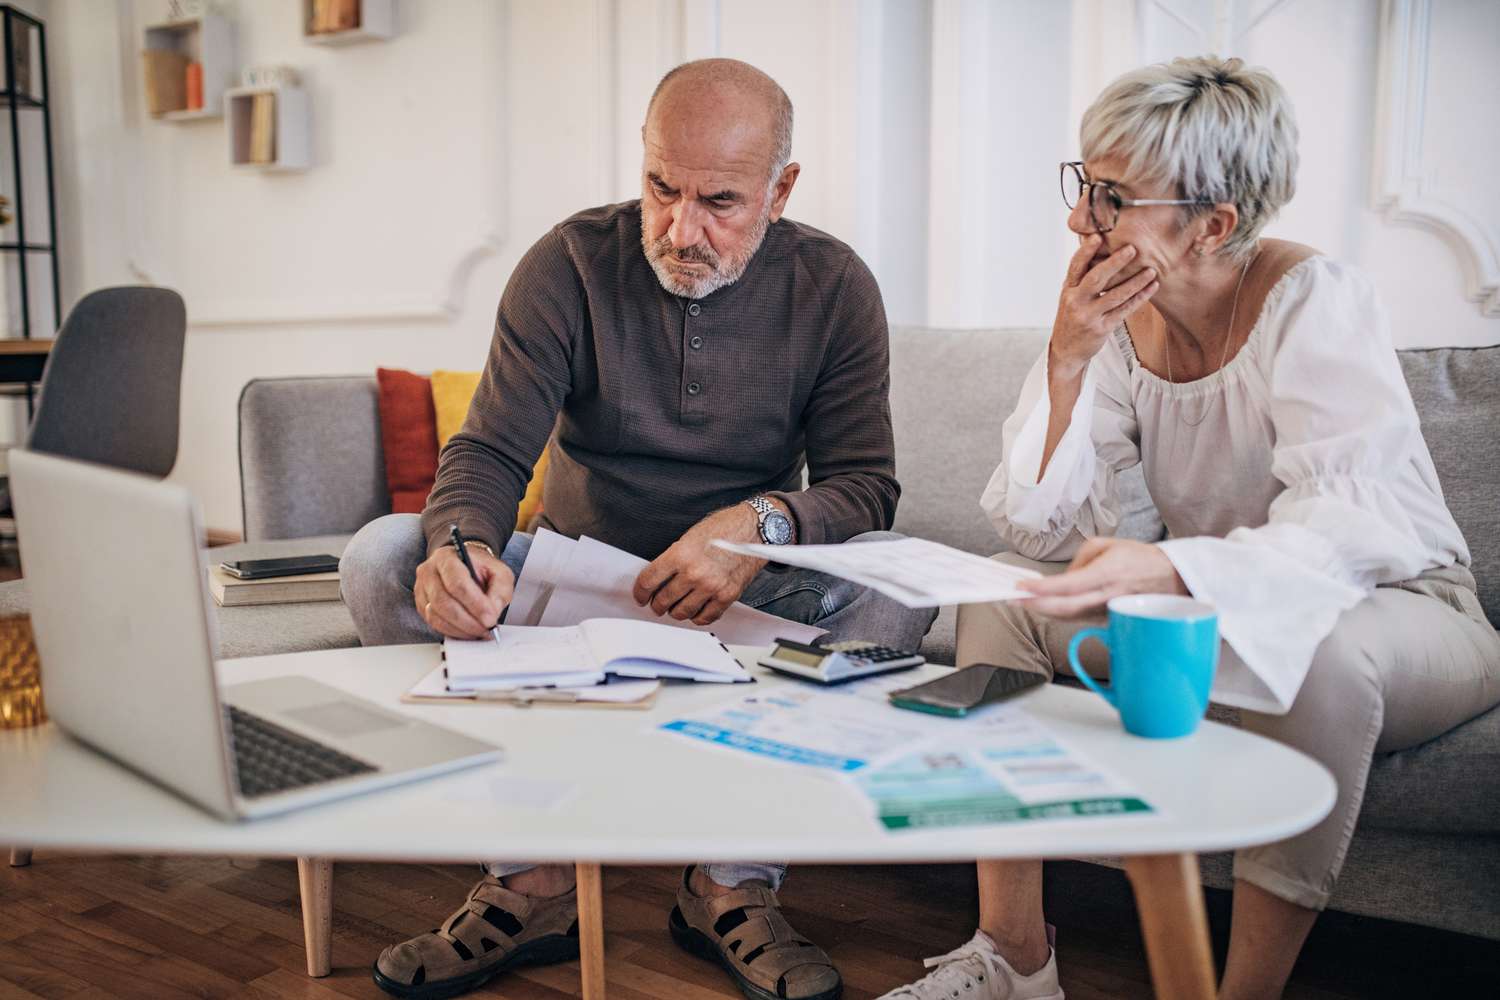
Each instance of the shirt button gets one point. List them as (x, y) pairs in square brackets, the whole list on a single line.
[(694, 388), (696, 343), (694, 309)]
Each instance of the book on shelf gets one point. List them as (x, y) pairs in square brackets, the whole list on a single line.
[(232, 592), (263, 128), (166, 81), (333, 15)]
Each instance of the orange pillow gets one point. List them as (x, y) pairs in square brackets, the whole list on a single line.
[(452, 392), (408, 436)]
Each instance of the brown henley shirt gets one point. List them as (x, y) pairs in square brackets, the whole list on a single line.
[(667, 409)]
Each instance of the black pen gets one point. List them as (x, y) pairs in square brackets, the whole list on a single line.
[(463, 553)]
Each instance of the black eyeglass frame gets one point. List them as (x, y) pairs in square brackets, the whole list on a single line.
[(1088, 187)]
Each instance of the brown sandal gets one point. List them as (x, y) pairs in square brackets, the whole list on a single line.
[(495, 930), (745, 932)]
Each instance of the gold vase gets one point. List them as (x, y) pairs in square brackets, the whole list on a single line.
[(20, 675)]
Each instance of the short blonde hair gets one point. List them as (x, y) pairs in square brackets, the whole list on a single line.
[(1214, 128)]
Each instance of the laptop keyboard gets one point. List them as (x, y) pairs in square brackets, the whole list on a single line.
[(271, 759)]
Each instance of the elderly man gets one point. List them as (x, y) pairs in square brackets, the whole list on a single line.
[(693, 350)]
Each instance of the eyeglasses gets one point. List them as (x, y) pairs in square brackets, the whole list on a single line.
[(1104, 201)]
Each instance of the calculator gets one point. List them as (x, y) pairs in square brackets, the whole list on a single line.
[(836, 662)]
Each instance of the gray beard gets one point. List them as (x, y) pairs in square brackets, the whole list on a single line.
[(724, 272)]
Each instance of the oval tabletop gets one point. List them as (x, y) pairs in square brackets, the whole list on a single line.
[(607, 785)]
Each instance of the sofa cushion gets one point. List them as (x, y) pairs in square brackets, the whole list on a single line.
[(1447, 785), (1455, 391), (408, 437), (951, 390)]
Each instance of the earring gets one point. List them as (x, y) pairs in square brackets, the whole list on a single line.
[(1198, 249)]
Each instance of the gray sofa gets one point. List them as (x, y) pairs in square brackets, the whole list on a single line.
[(1428, 845)]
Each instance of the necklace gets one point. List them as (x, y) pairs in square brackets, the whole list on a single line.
[(1234, 309)]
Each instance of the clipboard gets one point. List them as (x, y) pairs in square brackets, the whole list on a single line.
[(520, 697)]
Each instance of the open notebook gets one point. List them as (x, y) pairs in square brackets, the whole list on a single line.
[(574, 655)]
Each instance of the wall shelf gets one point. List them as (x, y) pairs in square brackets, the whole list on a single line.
[(210, 41), (291, 128), (377, 23)]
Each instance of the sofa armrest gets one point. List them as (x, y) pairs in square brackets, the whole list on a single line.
[(310, 456)]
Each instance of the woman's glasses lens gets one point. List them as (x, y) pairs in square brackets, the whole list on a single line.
[(1104, 207), (1072, 185)]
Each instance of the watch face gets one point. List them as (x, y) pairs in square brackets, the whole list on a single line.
[(776, 529)]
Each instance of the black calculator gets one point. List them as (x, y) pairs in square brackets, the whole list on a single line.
[(836, 662)]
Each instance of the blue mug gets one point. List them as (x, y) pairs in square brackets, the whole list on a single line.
[(1163, 650)]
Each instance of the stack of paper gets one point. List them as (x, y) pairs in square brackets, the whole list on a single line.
[(565, 582), (913, 571)]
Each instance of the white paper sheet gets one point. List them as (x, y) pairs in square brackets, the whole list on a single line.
[(914, 571), (842, 729), (595, 580), (521, 656)]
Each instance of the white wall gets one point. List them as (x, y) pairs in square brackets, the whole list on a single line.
[(929, 134)]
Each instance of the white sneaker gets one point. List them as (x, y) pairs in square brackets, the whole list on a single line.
[(976, 971)]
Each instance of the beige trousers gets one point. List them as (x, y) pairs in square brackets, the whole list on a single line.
[(1404, 666)]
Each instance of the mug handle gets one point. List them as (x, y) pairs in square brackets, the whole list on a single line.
[(1083, 675)]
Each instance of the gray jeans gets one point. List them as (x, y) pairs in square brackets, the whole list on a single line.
[(379, 569), (1404, 666)]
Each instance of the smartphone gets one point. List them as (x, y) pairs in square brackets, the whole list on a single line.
[(260, 569), (956, 693)]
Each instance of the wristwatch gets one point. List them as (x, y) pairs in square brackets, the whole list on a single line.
[(775, 527)]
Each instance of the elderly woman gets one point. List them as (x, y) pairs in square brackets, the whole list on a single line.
[(1256, 381)]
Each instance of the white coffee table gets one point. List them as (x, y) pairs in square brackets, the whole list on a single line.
[(595, 787)]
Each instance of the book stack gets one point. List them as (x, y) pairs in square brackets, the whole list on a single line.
[(333, 15), (232, 592), (262, 128)]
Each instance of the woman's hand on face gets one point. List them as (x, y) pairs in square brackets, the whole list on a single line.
[(1104, 568), (1093, 302)]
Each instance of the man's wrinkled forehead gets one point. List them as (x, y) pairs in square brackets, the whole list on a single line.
[(709, 134)]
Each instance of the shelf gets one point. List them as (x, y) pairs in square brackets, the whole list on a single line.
[(291, 129), (30, 247), (196, 115), (377, 23), (210, 41), (24, 101)]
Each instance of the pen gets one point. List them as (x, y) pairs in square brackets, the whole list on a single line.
[(463, 553)]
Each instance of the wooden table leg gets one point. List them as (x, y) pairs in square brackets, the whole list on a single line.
[(591, 930), (20, 857), (1175, 924), (315, 880)]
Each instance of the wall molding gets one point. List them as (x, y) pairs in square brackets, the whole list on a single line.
[(444, 303), (1402, 191)]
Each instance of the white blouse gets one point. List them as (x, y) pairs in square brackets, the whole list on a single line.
[(1291, 482)]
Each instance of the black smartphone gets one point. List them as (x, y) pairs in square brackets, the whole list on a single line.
[(956, 693), (260, 569)]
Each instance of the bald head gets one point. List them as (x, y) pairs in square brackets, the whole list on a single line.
[(726, 105)]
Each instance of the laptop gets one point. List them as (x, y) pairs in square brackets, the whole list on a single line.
[(120, 611)]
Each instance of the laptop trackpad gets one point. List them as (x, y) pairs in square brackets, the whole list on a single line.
[(345, 719)]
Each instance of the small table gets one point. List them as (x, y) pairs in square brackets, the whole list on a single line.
[(622, 802)]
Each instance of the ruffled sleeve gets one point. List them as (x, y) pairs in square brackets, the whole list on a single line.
[(1047, 518), (1343, 419)]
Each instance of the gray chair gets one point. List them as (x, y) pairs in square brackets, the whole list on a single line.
[(113, 383), (112, 389)]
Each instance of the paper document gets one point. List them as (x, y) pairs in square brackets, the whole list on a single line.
[(573, 656), (1012, 772), (565, 582), (914, 571), (842, 729)]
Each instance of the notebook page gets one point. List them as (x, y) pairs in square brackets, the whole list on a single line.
[(518, 656), (636, 649)]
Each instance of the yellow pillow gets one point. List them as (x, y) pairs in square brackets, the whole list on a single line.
[(451, 394)]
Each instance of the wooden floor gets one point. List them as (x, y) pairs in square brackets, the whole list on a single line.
[(86, 927)]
